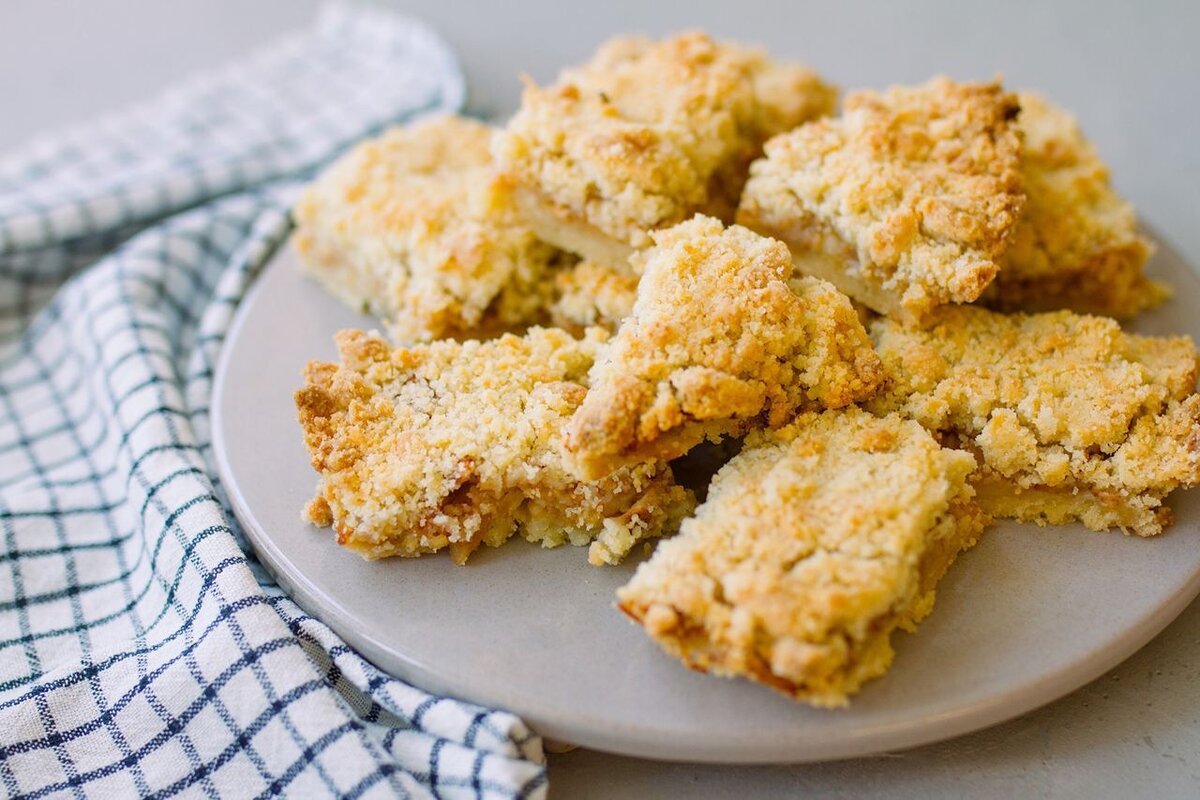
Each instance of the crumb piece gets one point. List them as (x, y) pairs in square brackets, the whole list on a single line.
[(904, 202), (416, 226), (1071, 418), (1076, 245), (451, 445), (591, 294), (720, 336), (646, 134), (815, 543)]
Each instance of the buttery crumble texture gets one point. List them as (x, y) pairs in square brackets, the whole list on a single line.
[(1077, 244), (1070, 418), (417, 227), (905, 201), (720, 335), (453, 445), (815, 543), (646, 134), (590, 293)]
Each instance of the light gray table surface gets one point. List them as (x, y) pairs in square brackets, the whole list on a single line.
[(1131, 72)]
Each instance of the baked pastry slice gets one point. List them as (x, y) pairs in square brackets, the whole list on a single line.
[(815, 543), (721, 337), (1077, 244), (646, 134), (1071, 419), (453, 445), (904, 202), (417, 227)]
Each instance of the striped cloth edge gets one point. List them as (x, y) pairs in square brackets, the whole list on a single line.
[(143, 651)]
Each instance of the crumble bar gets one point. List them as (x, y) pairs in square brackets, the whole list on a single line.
[(814, 544), (646, 134), (417, 227), (453, 445), (1071, 418), (1076, 245), (720, 335), (904, 202)]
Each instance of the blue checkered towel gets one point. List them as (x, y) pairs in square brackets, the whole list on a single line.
[(143, 652)]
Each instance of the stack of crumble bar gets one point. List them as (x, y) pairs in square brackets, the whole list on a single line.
[(890, 319)]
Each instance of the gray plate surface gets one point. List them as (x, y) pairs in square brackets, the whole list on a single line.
[(1025, 617)]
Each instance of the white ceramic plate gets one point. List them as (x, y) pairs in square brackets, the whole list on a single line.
[(1025, 617)]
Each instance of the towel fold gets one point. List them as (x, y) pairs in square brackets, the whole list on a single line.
[(143, 651)]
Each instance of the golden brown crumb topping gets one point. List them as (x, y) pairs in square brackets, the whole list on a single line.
[(1053, 400), (416, 226), (649, 132), (720, 334), (456, 444), (814, 544), (920, 186), (593, 294), (1077, 244)]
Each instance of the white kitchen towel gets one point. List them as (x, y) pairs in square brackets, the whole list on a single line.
[(143, 651)]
